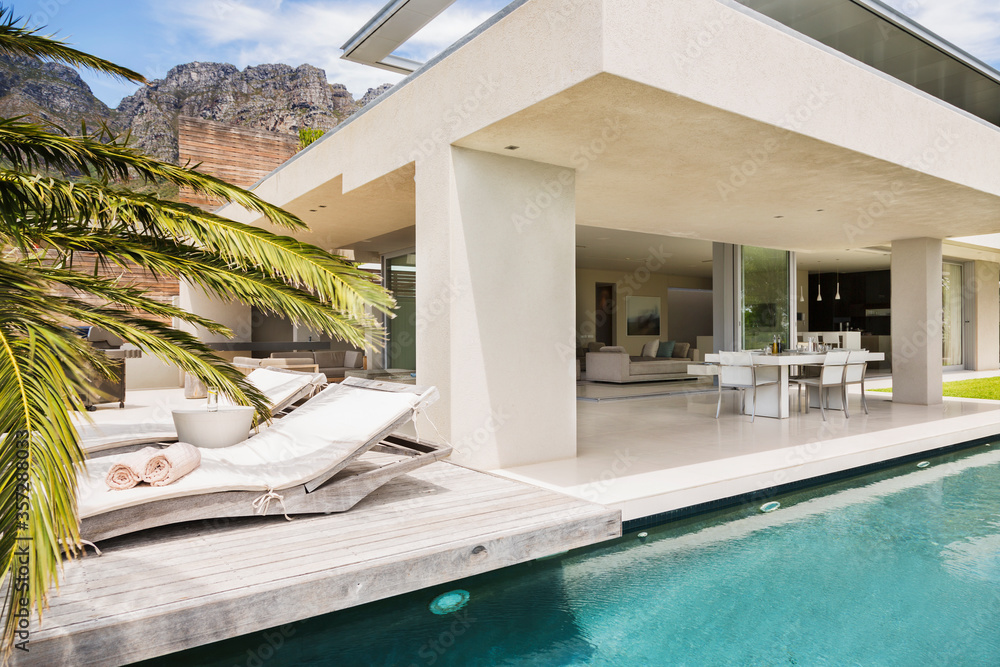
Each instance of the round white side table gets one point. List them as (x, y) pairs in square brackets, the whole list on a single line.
[(211, 430)]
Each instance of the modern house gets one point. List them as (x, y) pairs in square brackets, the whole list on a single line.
[(656, 147)]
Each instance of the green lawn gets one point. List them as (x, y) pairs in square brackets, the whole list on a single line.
[(979, 388)]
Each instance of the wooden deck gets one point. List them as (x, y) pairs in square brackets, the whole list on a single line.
[(173, 588)]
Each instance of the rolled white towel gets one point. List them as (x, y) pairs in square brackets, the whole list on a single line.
[(129, 470), (170, 464)]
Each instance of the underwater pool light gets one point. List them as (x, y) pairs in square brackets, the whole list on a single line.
[(448, 602), (770, 507), (923, 464)]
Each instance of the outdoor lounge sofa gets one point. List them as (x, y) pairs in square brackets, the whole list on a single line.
[(282, 388), (290, 468), (333, 363), (613, 364)]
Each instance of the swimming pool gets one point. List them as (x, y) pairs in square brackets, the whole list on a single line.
[(899, 567)]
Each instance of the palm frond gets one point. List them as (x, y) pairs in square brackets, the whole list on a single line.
[(16, 39), (80, 205), (38, 462), (330, 277), (27, 146), (197, 267)]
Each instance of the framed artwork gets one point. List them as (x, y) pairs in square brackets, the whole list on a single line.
[(642, 315)]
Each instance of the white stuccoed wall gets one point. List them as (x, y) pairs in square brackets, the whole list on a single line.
[(496, 305), (916, 321)]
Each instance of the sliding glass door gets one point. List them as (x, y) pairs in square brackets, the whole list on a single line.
[(400, 278), (954, 316), (765, 296)]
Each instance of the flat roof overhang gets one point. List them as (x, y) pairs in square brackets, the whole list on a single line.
[(877, 35), (763, 138), (392, 26)]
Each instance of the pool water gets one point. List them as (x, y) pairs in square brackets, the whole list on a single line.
[(900, 567)]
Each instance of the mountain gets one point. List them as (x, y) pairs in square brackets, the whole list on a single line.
[(50, 93), (276, 98)]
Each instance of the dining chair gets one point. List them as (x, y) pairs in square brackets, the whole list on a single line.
[(737, 371), (854, 373), (831, 375)]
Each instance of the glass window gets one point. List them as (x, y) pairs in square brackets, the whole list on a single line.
[(401, 280), (764, 301), (951, 297)]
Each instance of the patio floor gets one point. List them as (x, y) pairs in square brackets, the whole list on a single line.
[(653, 454)]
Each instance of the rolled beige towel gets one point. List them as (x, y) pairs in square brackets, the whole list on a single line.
[(128, 470), (170, 464)]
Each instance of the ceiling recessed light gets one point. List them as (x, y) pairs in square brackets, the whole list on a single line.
[(322, 206), (819, 210), (511, 148), (312, 210), (779, 216)]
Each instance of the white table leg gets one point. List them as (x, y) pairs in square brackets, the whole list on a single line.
[(772, 399)]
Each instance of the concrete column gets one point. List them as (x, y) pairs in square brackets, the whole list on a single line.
[(916, 321), (495, 305), (984, 352)]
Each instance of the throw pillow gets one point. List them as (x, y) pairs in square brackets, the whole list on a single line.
[(681, 350), (613, 348), (649, 349), (666, 350)]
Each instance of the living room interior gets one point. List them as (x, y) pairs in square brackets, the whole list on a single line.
[(640, 295)]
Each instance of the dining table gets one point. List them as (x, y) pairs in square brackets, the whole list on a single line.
[(772, 399)]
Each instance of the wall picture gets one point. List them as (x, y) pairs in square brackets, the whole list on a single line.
[(642, 315)]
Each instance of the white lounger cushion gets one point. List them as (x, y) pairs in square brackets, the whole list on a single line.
[(280, 386), (295, 450)]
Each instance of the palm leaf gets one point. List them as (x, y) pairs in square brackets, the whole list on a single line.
[(330, 277), (77, 205), (16, 39), (26, 146)]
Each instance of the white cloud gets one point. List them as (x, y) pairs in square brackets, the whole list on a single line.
[(251, 32), (972, 25)]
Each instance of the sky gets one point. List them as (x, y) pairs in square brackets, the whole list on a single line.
[(151, 36)]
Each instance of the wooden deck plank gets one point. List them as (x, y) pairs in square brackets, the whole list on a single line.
[(132, 604), (231, 574), (286, 538), (329, 551)]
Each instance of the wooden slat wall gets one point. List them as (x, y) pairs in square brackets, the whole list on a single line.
[(159, 288), (234, 154)]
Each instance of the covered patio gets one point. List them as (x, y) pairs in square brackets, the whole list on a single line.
[(663, 452)]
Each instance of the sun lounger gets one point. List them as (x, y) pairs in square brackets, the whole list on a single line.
[(287, 469), (282, 387)]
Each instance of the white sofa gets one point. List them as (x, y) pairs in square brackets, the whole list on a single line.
[(613, 364)]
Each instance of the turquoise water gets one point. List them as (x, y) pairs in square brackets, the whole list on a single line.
[(901, 567)]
